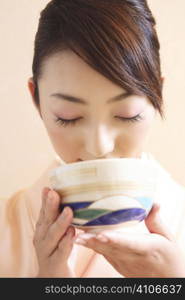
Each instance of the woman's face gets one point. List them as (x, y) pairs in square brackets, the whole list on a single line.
[(106, 125)]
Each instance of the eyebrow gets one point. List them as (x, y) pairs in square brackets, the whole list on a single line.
[(84, 102)]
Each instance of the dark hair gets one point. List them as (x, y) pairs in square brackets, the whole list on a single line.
[(115, 37)]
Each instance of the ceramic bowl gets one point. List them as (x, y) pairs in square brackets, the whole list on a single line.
[(105, 193)]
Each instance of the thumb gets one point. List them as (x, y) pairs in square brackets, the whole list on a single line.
[(155, 224)]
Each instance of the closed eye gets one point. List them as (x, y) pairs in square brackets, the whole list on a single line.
[(133, 119), (66, 122)]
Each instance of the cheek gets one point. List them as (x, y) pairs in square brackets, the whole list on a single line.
[(64, 141), (139, 132), (134, 137)]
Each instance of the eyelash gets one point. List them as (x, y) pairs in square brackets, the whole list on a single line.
[(63, 122)]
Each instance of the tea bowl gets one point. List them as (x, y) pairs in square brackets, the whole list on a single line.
[(106, 193)]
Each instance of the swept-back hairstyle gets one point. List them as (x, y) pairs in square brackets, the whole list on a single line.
[(115, 37)]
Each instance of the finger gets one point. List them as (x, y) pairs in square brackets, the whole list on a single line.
[(39, 222), (45, 192), (38, 234), (48, 210), (65, 245), (99, 243), (110, 242), (57, 230), (51, 211), (155, 224)]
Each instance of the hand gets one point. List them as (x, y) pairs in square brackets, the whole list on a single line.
[(154, 254), (53, 239)]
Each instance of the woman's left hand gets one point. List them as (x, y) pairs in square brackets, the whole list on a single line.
[(154, 254)]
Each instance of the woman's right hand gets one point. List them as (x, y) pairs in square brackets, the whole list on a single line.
[(53, 238)]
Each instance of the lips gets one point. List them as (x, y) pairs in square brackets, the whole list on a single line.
[(104, 158)]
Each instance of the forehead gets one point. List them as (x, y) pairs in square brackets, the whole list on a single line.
[(68, 71), (65, 72)]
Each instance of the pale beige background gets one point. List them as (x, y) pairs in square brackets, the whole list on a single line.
[(25, 149)]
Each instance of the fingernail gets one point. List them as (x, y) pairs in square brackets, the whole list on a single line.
[(102, 238), (80, 241), (65, 212), (45, 192), (70, 233), (50, 195), (87, 236)]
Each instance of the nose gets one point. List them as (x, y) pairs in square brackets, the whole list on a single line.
[(99, 142)]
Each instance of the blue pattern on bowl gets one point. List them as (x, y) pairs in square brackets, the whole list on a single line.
[(76, 205), (119, 216)]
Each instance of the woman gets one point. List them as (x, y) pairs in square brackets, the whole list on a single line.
[(97, 86)]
